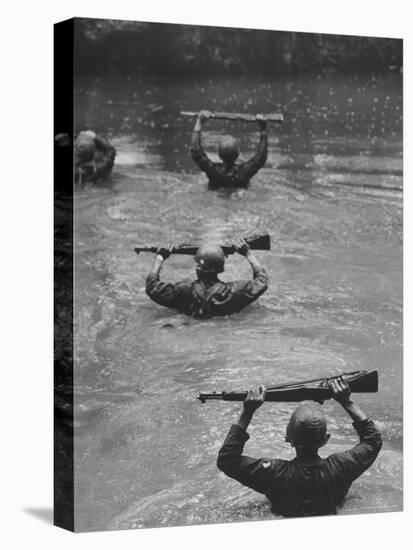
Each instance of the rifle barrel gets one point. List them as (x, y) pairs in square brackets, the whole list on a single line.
[(359, 382), (325, 379), (271, 117), (256, 242)]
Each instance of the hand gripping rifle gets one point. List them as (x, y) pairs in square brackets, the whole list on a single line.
[(256, 242), (362, 381)]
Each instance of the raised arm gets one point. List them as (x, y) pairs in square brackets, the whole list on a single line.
[(253, 401), (259, 283), (341, 392), (354, 462), (255, 473), (251, 167), (157, 264), (197, 152), (163, 293)]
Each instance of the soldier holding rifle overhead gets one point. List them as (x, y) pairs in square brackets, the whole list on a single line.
[(207, 296), (228, 174), (307, 485)]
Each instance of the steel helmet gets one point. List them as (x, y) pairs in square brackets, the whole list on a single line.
[(210, 258), (228, 149), (307, 427), (85, 143)]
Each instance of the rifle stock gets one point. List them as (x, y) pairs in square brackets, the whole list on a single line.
[(359, 382), (256, 242)]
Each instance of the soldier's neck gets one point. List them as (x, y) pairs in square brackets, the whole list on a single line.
[(306, 453), (208, 280)]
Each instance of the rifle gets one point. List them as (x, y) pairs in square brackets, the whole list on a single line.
[(256, 242), (271, 117), (311, 390)]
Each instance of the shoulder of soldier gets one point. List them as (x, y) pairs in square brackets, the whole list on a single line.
[(274, 464), (223, 286), (238, 285), (340, 459), (243, 163), (185, 284)]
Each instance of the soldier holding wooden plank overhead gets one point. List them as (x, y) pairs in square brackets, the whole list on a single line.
[(229, 173)]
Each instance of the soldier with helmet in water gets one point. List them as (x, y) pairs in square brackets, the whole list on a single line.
[(307, 485), (207, 296), (94, 157), (228, 173)]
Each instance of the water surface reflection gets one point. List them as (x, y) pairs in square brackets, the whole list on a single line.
[(331, 198)]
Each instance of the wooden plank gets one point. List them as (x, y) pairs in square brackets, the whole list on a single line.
[(271, 117)]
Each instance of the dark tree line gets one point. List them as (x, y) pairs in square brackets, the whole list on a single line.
[(131, 48)]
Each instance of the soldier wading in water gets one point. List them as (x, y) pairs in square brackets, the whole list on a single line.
[(94, 158), (207, 296), (228, 173), (307, 485)]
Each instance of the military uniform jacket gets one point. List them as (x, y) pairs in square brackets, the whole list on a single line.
[(222, 176), (301, 487), (199, 300)]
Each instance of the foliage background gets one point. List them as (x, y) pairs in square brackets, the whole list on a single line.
[(112, 46)]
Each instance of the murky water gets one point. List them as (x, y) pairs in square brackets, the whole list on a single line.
[(331, 198)]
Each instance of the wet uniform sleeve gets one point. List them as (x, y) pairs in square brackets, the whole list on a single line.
[(166, 293), (351, 464), (200, 157), (246, 292), (251, 167), (254, 473)]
